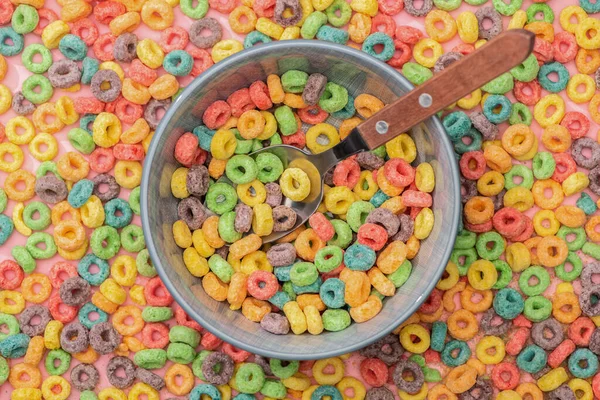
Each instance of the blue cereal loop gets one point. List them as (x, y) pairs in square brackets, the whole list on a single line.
[(359, 257), (379, 198), (549, 85), (73, 47), (209, 390), (83, 269), (80, 193), (283, 273), (379, 38), (254, 38), (312, 288), (84, 315), (457, 124), (280, 299), (326, 391), (583, 363), (532, 359), (452, 359), (330, 34), (14, 346), (89, 67), (332, 293), (87, 121), (497, 100), (204, 135), (6, 228), (508, 303), (17, 45), (178, 63), (118, 221)]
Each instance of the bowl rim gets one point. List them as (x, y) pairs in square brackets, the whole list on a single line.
[(208, 75)]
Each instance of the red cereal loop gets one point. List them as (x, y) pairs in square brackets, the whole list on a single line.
[(155, 335), (86, 30), (128, 152), (88, 105), (237, 355), (156, 293), (106, 11), (580, 331), (383, 23), (431, 356), (527, 232), (60, 311), (262, 285), (391, 7), (401, 56), (517, 341), (372, 235), (60, 272), (565, 47), (298, 140), (398, 172), (183, 319), (6, 11), (464, 49), (264, 8), (103, 47), (185, 148), (110, 107), (528, 93), (408, 34), (202, 60), (522, 321), (577, 124), (477, 228), (433, 302), (222, 6), (505, 376), (414, 198), (509, 222), (173, 38), (565, 166), (259, 94), (543, 51), (210, 341), (346, 173), (142, 74), (472, 165), (312, 115), (374, 372), (200, 157), (560, 353), (240, 102), (11, 275), (127, 111), (216, 114), (101, 160), (46, 16), (322, 226)]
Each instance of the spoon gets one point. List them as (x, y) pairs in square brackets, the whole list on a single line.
[(459, 79)]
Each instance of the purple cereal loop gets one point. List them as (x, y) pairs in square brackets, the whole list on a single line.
[(328, 177), (64, 74), (296, 14), (276, 324), (192, 212), (150, 378), (547, 334), (74, 338), (85, 377), (281, 254), (445, 60), (113, 187), (367, 160), (274, 195), (51, 189), (388, 349), (315, 84), (379, 393), (284, 218), (385, 218), (594, 177), (222, 251), (205, 42), (541, 373), (226, 368), (586, 302), (405, 229), (588, 272), (594, 345), (151, 111), (197, 180), (413, 386), (102, 77), (488, 326), (481, 390), (21, 105), (409, 7), (127, 378), (494, 16), (264, 364), (498, 200), (563, 392), (470, 188), (124, 49), (577, 152), (243, 218), (25, 320), (483, 125), (75, 291), (104, 338)]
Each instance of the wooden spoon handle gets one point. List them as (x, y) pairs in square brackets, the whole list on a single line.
[(456, 81)]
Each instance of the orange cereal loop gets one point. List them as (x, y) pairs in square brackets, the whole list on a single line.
[(412, 247), (367, 310), (104, 304), (214, 287), (531, 244), (431, 318), (245, 246), (35, 351), (587, 61), (305, 300), (127, 320), (366, 105), (25, 376), (556, 138), (497, 159), (290, 237), (565, 307), (179, 379), (448, 297), (255, 309), (62, 211), (36, 288), (540, 195), (44, 113), (462, 325), (210, 227), (275, 89), (542, 30), (479, 210), (517, 140), (592, 228), (461, 378), (476, 301), (216, 168), (19, 185), (441, 392), (552, 251), (89, 356), (347, 125), (307, 244), (72, 166), (358, 287)]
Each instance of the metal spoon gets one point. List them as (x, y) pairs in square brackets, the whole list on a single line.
[(456, 81)]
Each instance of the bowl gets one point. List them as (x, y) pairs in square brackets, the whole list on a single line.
[(359, 73)]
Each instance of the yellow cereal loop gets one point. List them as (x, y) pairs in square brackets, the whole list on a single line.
[(17, 217), (53, 32), (421, 49), (5, 99), (552, 379), (225, 48), (421, 342)]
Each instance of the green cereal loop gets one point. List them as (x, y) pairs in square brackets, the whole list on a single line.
[(249, 378), (183, 334), (132, 238), (575, 244), (283, 371), (527, 70), (88, 395), (343, 234), (536, 8), (30, 52), (134, 200), (144, 265), (221, 198), (542, 280), (447, 5), (303, 274), (3, 200), (335, 320), (401, 275), (504, 274), (4, 370), (507, 9), (269, 167), (416, 73), (226, 227), (537, 308), (483, 248), (256, 145), (586, 204), (293, 81), (274, 389), (243, 146), (476, 2), (476, 139), (43, 219), (221, 268), (328, 258), (150, 358), (241, 169), (12, 325), (181, 353), (41, 253), (275, 139), (418, 359), (157, 314), (520, 114), (380, 151), (521, 171), (312, 24), (113, 242), (287, 287), (500, 85), (345, 13), (577, 266), (33, 82), (24, 19), (23, 258), (591, 249), (432, 374), (187, 7), (465, 240), (197, 364), (358, 213), (60, 355), (47, 167), (463, 258), (286, 120), (334, 98), (543, 165), (81, 140)]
